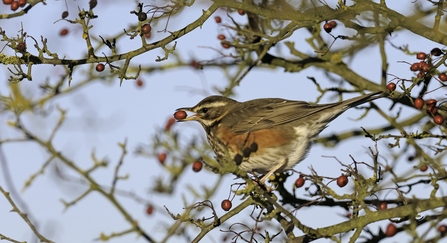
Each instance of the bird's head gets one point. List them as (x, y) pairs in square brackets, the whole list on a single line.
[(210, 110)]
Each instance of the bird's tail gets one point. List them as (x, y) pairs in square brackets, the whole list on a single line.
[(339, 108), (356, 101)]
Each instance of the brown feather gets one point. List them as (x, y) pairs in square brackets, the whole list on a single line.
[(260, 114)]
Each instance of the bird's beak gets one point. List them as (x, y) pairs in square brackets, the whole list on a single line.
[(189, 118)]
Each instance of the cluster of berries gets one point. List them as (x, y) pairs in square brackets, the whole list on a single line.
[(425, 67), (15, 4)]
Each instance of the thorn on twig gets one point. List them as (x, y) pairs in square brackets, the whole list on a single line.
[(367, 135)]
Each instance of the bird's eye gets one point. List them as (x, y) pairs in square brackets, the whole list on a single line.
[(204, 110)]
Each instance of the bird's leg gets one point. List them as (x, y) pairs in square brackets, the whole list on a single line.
[(273, 170)]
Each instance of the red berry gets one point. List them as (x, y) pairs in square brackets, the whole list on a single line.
[(327, 27), (169, 124), (442, 229), (22, 3), (420, 74), (332, 23), (423, 168), (442, 77), (100, 67), (421, 56), (241, 12), (431, 102), (146, 28), (195, 64), (63, 32), (342, 181), (432, 110), (21, 47), (225, 45), (14, 5), (299, 182), (217, 19), (436, 52), (425, 66), (221, 37), (391, 86), (139, 83), (7, 2), (180, 115), (197, 166), (226, 205), (438, 119), (415, 67), (161, 157), (382, 206), (418, 103), (149, 209), (391, 230)]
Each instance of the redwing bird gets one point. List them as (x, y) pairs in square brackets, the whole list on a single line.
[(266, 135)]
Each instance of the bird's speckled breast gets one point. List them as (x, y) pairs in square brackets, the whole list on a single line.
[(273, 146)]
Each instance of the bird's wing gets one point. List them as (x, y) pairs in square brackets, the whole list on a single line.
[(260, 114), (264, 113)]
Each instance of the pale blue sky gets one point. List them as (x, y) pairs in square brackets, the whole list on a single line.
[(103, 114)]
